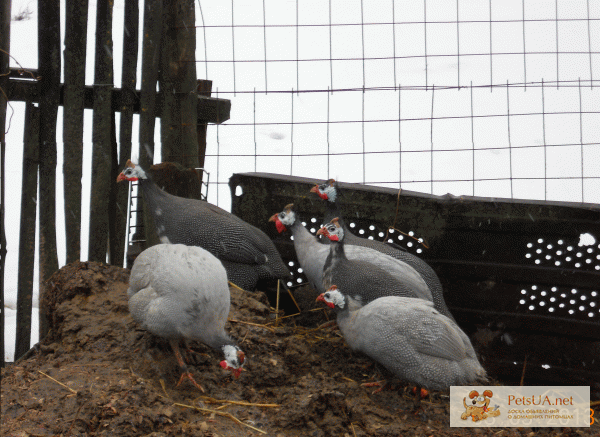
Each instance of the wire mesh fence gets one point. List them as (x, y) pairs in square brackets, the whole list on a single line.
[(476, 98)]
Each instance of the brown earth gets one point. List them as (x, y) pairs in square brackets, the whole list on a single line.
[(99, 374)]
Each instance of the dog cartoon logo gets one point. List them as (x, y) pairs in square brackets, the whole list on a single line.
[(479, 408)]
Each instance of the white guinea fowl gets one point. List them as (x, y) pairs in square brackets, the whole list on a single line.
[(312, 255), (181, 293), (409, 337), (331, 194), (364, 280)]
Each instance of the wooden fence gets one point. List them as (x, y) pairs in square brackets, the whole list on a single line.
[(184, 106)]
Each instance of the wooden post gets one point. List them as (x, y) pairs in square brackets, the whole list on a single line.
[(151, 45), (178, 84), (128, 83), (5, 7), (204, 89), (101, 135), (73, 101), (27, 231), (49, 62)]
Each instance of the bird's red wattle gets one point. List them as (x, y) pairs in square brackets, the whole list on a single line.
[(280, 226)]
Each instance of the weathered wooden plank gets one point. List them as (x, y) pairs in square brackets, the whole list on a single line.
[(5, 8), (178, 84), (204, 89), (128, 84), (49, 58), (73, 102), (151, 45), (27, 229), (102, 154), (210, 109)]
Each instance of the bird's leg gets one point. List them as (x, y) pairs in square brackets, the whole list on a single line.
[(189, 353), (381, 384), (186, 373), (419, 393)]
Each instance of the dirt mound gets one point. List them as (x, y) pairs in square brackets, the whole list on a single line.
[(98, 373)]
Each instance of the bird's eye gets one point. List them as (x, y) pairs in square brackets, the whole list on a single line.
[(322, 187), (327, 295)]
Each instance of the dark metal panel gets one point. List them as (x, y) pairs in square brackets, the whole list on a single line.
[(514, 274)]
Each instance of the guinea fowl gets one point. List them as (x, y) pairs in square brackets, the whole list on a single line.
[(247, 253), (330, 193), (409, 337), (312, 254), (180, 293), (363, 280)]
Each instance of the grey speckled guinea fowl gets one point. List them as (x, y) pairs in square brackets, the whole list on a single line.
[(179, 293), (312, 255), (363, 280), (330, 193), (409, 337), (247, 253)]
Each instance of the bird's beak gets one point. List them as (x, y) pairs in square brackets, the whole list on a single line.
[(280, 226), (320, 298), (315, 189), (236, 372), (322, 231), (121, 177)]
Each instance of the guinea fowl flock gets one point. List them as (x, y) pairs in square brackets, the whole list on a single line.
[(389, 303)]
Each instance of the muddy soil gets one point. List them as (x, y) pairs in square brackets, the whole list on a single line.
[(99, 374)]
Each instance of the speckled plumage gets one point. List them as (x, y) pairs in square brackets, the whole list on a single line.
[(180, 292), (411, 339), (312, 256), (246, 252), (330, 192), (362, 280)]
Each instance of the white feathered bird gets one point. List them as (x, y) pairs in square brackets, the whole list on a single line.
[(180, 292), (409, 337), (312, 256)]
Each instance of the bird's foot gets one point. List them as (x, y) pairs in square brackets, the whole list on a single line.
[(419, 393), (381, 384), (189, 376), (423, 393)]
